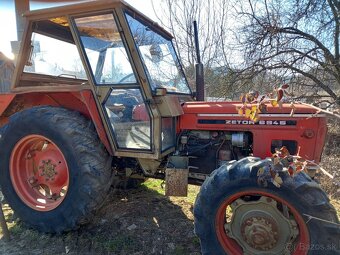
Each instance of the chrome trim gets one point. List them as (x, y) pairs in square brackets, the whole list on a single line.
[(298, 115)]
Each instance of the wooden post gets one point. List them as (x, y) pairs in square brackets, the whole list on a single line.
[(3, 224)]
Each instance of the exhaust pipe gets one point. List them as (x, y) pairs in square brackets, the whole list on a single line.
[(199, 68)]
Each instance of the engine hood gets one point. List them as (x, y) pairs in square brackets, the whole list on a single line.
[(231, 108)]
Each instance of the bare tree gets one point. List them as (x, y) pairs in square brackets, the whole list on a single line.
[(178, 17), (295, 39)]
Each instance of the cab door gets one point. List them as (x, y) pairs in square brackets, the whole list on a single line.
[(120, 96)]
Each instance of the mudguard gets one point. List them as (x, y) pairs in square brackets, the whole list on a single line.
[(5, 100)]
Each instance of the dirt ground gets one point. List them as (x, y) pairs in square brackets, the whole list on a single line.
[(142, 221), (134, 222)]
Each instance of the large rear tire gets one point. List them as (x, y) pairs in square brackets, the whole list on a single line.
[(234, 215), (55, 172)]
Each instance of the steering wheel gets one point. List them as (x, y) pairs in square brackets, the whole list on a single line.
[(125, 78)]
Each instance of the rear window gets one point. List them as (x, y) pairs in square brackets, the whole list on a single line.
[(53, 51)]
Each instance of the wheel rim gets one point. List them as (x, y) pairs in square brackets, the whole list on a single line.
[(39, 173), (255, 226)]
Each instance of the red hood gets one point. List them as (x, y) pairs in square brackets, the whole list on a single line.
[(230, 107)]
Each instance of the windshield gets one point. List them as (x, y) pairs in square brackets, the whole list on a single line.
[(159, 57)]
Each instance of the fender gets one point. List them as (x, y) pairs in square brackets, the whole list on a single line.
[(82, 101), (5, 100)]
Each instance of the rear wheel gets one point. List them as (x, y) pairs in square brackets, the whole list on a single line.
[(234, 215), (55, 172)]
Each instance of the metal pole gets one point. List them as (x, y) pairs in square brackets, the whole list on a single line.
[(197, 45), (199, 68)]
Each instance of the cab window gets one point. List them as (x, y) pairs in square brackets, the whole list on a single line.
[(129, 118), (53, 51), (105, 50), (159, 57)]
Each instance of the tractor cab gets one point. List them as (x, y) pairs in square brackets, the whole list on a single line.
[(127, 60)]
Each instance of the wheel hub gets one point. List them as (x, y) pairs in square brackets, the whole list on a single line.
[(48, 170), (260, 228), (259, 233)]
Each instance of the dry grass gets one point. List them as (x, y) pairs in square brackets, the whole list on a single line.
[(331, 161)]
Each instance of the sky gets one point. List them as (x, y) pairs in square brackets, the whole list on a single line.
[(8, 25)]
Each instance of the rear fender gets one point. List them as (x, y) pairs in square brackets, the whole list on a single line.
[(81, 101), (5, 100)]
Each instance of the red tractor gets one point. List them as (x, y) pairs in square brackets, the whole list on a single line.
[(99, 96)]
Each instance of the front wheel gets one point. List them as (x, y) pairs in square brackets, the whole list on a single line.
[(234, 215)]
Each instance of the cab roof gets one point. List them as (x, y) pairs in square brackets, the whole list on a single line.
[(88, 7)]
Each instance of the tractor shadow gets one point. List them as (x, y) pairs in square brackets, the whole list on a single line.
[(138, 221)]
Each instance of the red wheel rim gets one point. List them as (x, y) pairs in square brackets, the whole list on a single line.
[(39, 173), (231, 246)]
